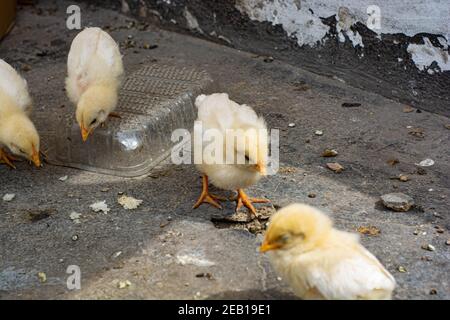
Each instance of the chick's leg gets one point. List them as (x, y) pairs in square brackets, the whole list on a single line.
[(7, 159), (206, 196), (243, 200)]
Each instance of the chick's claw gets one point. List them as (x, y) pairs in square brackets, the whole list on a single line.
[(206, 197), (7, 159), (243, 200)]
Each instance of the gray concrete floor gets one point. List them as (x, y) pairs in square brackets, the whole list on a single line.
[(36, 231)]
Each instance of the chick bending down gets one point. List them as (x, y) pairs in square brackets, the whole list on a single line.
[(95, 73), (218, 115), (17, 132), (320, 262)]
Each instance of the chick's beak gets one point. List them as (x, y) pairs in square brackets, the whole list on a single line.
[(35, 158), (84, 133), (266, 246)]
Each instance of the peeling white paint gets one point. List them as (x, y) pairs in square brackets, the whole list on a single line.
[(192, 22), (409, 17), (296, 20), (425, 54), (345, 20), (301, 19)]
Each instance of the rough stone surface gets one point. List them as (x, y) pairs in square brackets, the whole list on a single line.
[(397, 201), (36, 232)]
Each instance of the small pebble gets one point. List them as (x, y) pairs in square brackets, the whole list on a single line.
[(318, 132), (428, 247), (291, 125), (447, 242), (334, 166), (311, 195), (75, 237), (116, 254), (433, 291), (9, 197), (75, 217), (402, 269), (42, 277), (426, 163), (123, 284), (329, 153), (397, 201)]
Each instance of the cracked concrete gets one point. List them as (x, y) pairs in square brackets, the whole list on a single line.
[(37, 234)]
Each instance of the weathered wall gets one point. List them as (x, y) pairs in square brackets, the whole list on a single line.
[(406, 59), (301, 19)]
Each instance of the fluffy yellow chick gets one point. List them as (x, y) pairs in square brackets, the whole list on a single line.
[(95, 72), (17, 132), (320, 262), (218, 113)]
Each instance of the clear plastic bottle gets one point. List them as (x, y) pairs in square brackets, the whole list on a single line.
[(153, 102)]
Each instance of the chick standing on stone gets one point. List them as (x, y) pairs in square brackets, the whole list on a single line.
[(95, 72), (218, 113), (17, 132), (320, 262)]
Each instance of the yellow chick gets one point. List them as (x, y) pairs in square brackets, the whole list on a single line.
[(95, 72), (320, 262), (217, 113), (17, 132)]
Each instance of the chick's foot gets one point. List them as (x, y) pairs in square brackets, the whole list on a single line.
[(243, 200), (207, 197), (7, 159)]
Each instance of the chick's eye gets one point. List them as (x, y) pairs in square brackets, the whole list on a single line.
[(93, 121), (284, 238), (21, 151)]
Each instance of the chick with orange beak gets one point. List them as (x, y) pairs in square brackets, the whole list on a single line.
[(17, 132), (241, 142), (320, 262), (95, 72)]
